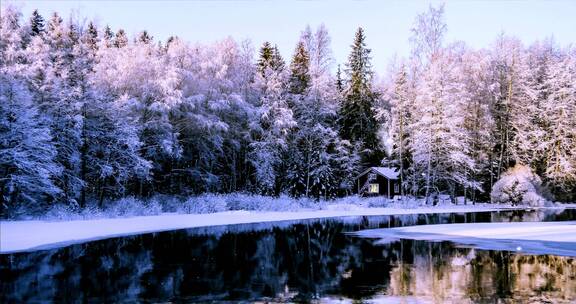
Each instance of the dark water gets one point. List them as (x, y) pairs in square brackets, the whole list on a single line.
[(294, 262)]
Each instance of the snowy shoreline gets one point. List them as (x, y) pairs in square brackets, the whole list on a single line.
[(557, 238), (18, 236), (564, 231)]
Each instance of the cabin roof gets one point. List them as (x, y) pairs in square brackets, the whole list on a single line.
[(387, 172)]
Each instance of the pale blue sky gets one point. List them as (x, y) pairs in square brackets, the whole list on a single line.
[(387, 23)]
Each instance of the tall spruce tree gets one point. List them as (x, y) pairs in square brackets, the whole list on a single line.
[(36, 24), (265, 57), (277, 63), (357, 121), (400, 119), (339, 81), (121, 40), (145, 37), (90, 37), (276, 122), (26, 151), (107, 37), (300, 77), (317, 160), (270, 58)]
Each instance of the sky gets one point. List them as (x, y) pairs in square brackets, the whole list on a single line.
[(386, 23)]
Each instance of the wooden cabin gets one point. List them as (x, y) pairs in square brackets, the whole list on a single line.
[(377, 181)]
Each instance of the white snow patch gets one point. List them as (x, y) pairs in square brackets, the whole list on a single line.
[(18, 236), (531, 237), (528, 231)]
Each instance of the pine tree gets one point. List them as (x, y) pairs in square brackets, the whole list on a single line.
[(90, 37), (145, 37), (26, 152), (270, 58), (339, 81), (265, 57), (108, 37), (276, 122), (59, 102), (11, 38), (315, 152), (171, 40), (357, 121), (120, 40), (36, 24), (400, 120), (299, 67), (277, 62)]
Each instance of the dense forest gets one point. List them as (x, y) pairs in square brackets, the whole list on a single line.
[(90, 114)]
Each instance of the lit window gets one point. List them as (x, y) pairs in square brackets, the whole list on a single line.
[(396, 188), (374, 188)]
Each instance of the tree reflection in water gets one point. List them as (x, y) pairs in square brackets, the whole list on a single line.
[(295, 261)]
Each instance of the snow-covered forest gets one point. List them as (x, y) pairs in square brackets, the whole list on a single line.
[(90, 114)]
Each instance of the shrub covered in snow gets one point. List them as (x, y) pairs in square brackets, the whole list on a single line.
[(62, 212), (127, 206), (241, 201), (518, 185), (207, 203)]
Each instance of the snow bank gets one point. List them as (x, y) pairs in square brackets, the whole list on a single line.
[(198, 204), (531, 237), (34, 235)]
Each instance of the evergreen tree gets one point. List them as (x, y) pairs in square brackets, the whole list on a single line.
[(315, 152), (276, 122), (58, 101), (86, 115), (265, 58), (120, 40), (299, 67), (339, 81), (90, 37), (400, 120), (144, 37), (108, 37), (270, 58), (11, 40), (356, 116), (170, 40), (26, 152), (36, 24), (277, 62)]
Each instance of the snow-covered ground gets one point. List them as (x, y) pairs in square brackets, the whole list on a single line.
[(530, 237), (18, 236)]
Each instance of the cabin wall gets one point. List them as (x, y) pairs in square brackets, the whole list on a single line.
[(383, 185), (383, 182)]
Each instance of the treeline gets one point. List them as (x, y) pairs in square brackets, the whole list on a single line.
[(90, 114), (459, 118)]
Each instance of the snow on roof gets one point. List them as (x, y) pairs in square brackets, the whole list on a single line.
[(388, 172)]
